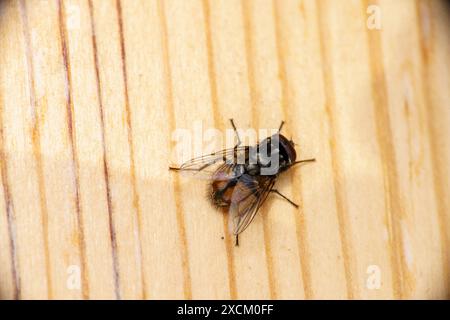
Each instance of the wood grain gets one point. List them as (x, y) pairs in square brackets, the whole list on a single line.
[(92, 91)]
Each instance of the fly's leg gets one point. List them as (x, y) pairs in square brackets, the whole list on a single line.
[(235, 156), (281, 126), (236, 244), (237, 134), (284, 197), (303, 161)]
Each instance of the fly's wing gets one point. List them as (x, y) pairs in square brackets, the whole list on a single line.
[(248, 196), (216, 166)]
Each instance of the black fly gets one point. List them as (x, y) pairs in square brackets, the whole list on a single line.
[(242, 177)]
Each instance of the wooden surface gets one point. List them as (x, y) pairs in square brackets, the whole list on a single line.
[(91, 91)]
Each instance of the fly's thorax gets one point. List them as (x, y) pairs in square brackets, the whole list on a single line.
[(271, 156)]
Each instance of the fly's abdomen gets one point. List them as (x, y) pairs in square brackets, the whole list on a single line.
[(221, 192)]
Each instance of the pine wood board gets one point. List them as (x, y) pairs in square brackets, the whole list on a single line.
[(91, 92)]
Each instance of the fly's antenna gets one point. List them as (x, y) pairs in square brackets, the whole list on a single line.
[(281, 126)]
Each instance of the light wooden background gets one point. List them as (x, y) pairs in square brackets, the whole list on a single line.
[(91, 90)]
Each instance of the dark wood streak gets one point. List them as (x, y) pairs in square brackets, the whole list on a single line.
[(9, 203), (246, 9), (136, 200), (72, 136), (9, 206), (36, 142), (215, 108), (112, 231), (394, 207), (426, 50), (330, 101), (296, 182), (176, 183)]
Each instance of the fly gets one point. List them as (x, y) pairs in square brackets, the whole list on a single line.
[(242, 177)]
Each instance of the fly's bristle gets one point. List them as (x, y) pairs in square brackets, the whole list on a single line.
[(208, 193), (210, 196)]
